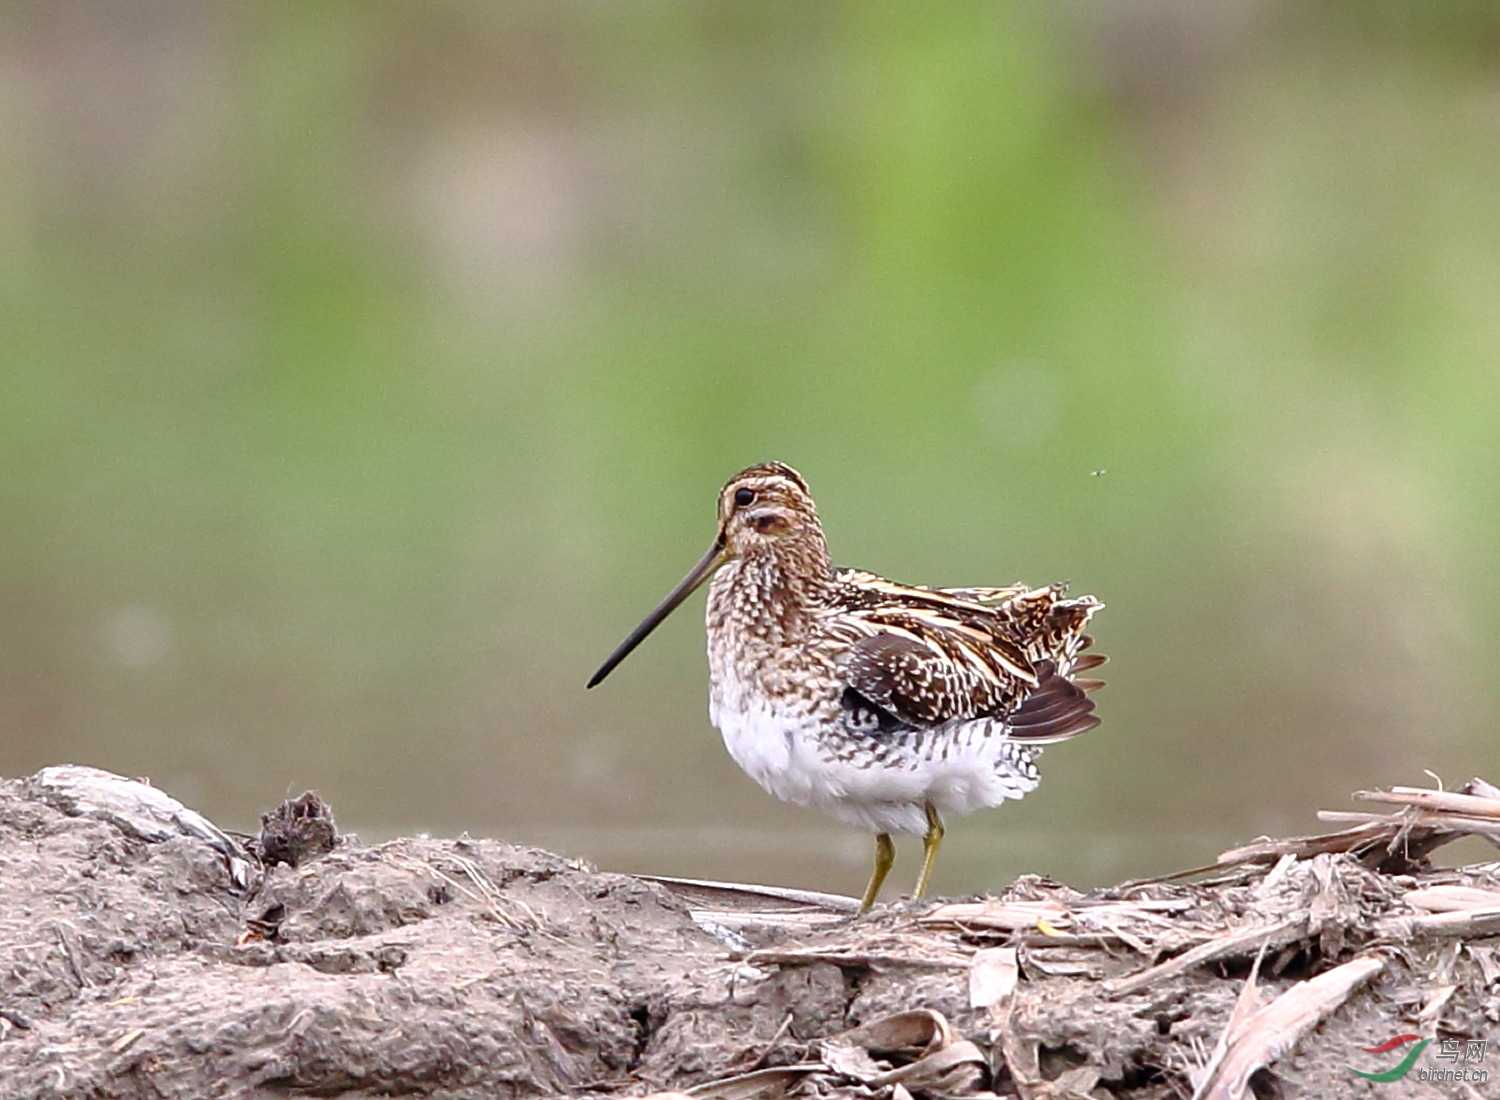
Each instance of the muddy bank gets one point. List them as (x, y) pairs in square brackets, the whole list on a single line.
[(145, 954)]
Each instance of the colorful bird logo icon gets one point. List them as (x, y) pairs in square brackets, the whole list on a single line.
[(1402, 1068)]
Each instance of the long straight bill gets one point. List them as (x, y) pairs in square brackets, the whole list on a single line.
[(700, 573)]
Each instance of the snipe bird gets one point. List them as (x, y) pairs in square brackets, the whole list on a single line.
[(886, 706)]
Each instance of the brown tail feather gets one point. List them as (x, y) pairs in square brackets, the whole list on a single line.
[(1056, 710)]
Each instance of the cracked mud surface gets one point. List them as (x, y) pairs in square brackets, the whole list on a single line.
[(457, 969), (449, 968)]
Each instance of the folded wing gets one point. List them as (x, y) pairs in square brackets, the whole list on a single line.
[(919, 657)]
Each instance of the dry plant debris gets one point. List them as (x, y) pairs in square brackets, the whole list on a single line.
[(145, 953)]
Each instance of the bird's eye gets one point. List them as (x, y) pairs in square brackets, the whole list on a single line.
[(743, 497)]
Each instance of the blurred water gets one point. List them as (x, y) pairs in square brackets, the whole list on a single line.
[(370, 370)]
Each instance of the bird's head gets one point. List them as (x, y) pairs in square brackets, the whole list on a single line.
[(764, 509), (763, 506)]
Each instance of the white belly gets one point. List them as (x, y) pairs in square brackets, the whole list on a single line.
[(958, 770)]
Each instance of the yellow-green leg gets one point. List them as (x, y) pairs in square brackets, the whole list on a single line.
[(930, 844), (885, 855)]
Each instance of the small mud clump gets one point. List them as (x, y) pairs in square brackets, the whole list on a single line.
[(299, 830)]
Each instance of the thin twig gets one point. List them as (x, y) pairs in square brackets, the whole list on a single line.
[(1227, 945)]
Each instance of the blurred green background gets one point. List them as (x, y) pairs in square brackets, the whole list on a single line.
[(371, 368)]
